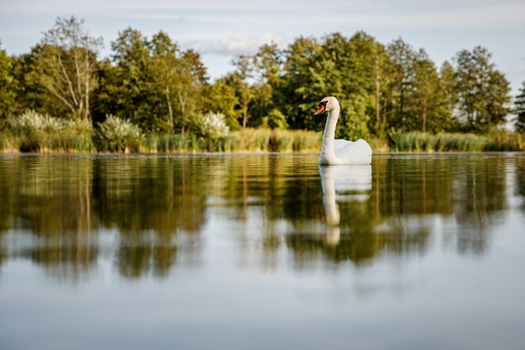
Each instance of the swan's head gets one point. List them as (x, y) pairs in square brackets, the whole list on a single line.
[(327, 104)]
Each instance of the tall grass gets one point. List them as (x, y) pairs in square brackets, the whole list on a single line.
[(246, 140), (33, 132), (445, 142), (177, 143), (505, 141), (268, 140), (9, 142)]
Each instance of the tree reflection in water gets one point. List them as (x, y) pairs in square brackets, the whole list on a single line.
[(157, 207)]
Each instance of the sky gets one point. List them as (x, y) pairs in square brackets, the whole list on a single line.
[(219, 30)]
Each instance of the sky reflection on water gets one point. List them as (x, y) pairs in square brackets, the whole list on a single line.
[(257, 251)]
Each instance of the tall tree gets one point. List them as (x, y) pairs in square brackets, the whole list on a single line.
[(267, 72), (165, 68), (447, 77), (240, 82), (67, 65), (30, 94), (297, 100), (483, 91), (347, 69), (190, 86), (404, 59), (220, 97), (7, 85), (519, 109), (382, 66), (128, 84), (430, 99)]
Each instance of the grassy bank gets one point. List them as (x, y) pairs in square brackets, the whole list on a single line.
[(32, 132), (247, 140), (455, 142)]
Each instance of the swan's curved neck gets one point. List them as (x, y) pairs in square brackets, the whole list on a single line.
[(327, 148)]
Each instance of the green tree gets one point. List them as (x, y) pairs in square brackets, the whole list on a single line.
[(297, 100), (483, 91), (66, 65), (519, 109), (154, 84), (346, 68), (128, 84), (267, 72), (7, 85), (106, 95), (239, 80), (189, 88), (165, 68), (430, 98), (402, 74), (382, 67), (30, 94), (220, 98), (447, 77)]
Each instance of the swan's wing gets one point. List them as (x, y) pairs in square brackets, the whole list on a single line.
[(348, 152)]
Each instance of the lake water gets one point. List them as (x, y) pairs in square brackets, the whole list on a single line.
[(262, 251)]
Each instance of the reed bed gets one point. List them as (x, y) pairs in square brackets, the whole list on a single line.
[(33, 132), (455, 142), (247, 140)]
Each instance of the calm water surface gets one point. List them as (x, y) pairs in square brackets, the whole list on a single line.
[(262, 252)]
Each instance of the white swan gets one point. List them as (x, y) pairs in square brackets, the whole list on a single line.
[(336, 152)]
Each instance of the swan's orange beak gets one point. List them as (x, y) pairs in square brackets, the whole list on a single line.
[(320, 109)]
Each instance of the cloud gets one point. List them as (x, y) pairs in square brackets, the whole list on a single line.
[(365, 14), (234, 45)]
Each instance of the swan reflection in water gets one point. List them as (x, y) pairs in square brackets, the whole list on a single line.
[(342, 184)]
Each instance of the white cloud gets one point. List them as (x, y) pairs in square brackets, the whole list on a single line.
[(372, 14), (234, 45)]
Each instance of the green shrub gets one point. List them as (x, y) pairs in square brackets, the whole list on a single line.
[(275, 120)]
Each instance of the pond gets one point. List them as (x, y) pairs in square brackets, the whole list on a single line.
[(262, 251)]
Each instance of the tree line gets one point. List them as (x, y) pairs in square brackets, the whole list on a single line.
[(153, 83)]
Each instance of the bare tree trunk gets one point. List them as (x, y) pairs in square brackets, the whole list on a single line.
[(378, 103), (424, 115), (87, 87), (79, 83), (182, 111), (68, 81), (170, 110)]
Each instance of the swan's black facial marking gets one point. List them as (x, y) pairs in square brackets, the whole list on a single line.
[(321, 108)]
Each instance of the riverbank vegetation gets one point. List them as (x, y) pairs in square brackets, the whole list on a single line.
[(152, 96)]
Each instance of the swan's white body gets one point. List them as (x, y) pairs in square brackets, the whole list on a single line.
[(338, 152)]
